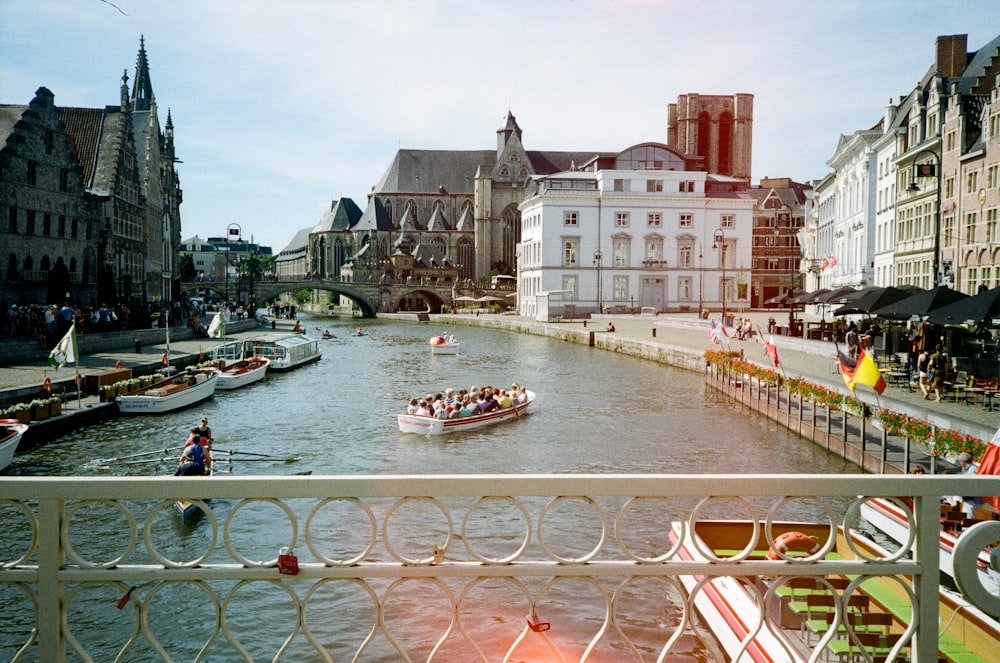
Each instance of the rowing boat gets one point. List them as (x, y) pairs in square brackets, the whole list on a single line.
[(795, 620), (243, 372), (424, 425), (176, 392), (11, 432), (445, 344)]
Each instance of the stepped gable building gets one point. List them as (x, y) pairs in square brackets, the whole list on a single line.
[(91, 201), (779, 215), (717, 128)]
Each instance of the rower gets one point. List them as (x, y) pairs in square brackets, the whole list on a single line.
[(196, 460)]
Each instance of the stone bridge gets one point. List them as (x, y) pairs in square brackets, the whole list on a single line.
[(370, 298)]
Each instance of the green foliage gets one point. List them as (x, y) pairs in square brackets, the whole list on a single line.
[(302, 296), (186, 265)]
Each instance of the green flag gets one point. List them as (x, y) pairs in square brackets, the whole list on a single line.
[(65, 350)]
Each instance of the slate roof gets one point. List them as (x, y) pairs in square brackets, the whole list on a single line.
[(342, 214), (297, 245), (374, 217)]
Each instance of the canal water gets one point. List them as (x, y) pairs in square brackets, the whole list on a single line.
[(596, 412)]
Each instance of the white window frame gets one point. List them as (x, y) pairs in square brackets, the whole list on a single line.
[(571, 218)]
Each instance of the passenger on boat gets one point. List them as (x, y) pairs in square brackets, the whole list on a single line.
[(423, 409), (487, 404), (453, 412), (413, 406), (204, 430), (449, 397), (505, 400), (441, 413)]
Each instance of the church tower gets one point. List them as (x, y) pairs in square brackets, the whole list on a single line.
[(717, 128)]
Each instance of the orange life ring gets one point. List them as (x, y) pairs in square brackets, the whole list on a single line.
[(47, 385), (793, 541), (78, 379), (201, 355), (164, 360), (118, 364)]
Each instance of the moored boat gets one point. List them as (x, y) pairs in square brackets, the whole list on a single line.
[(176, 392), (285, 351), (799, 616), (243, 372), (425, 425), (11, 432), (445, 344)]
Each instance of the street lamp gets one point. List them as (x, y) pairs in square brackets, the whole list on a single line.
[(720, 245), (930, 170), (232, 230), (598, 256)]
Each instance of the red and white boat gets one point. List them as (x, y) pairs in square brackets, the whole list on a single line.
[(243, 372), (444, 344), (11, 432)]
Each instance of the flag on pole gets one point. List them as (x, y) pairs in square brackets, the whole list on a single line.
[(717, 333), (217, 328), (990, 465), (861, 370), (65, 350), (771, 350), (833, 261), (825, 265)]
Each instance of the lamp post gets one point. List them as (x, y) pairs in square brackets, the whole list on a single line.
[(233, 229), (598, 256), (720, 245), (930, 170), (701, 281)]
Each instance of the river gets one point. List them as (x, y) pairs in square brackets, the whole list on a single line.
[(596, 412)]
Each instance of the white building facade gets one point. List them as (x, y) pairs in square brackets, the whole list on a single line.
[(636, 230)]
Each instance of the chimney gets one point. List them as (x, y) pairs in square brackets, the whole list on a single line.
[(951, 55)]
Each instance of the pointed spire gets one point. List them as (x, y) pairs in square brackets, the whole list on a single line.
[(124, 89), (509, 128), (142, 89)]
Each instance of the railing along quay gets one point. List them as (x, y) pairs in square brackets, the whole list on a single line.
[(437, 564)]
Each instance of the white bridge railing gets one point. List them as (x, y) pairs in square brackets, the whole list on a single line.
[(414, 568)]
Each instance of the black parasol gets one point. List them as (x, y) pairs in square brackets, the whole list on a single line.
[(870, 299), (920, 304), (975, 309)]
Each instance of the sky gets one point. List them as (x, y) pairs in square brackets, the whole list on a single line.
[(281, 107)]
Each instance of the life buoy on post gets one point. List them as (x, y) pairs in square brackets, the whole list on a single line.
[(118, 364), (164, 360), (47, 385), (79, 380), (793, 541)]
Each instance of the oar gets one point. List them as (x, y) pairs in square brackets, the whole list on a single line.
[(250, 453), (294, 459), (104, 461)]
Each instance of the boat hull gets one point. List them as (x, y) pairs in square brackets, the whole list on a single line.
[(10, 437), (411, 423), (158, 400), (445, 349), (242, 373)]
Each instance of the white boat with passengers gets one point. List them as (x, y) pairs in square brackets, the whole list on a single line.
[(425, 425), (177, 391)]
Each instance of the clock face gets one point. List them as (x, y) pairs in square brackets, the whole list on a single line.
[(982, 196)]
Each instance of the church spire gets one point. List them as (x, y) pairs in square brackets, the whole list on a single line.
[(509, 129), (142, 88)]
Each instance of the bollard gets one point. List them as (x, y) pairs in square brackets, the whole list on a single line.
[(274, 324), (654, 332), (584, 324), (138, 346)]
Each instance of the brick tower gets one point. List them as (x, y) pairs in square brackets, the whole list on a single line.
[(717, 128)]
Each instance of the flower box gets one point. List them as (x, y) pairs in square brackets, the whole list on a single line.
[(55, 409), (23, 415), (40, 412)]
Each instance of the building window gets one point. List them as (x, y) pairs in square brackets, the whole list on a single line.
[(621, 251), (621, 219), (654, 219), (684, 288), (686, 220), (571, 252), (687, 187), (654, 250), (46, 224), (64, 180), (30, 226), (728, 220), (570, 218), (991, 177), (569, 283), (62, 225), (972, 180), (654, 186), (991, 225), (949, 187), (970, 227), (12, 219), (685, 254), (621, 186), (32, 173), (620, 288)]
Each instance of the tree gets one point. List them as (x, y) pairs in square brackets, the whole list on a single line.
[(186, 265)]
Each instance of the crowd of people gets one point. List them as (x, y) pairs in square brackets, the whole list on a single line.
[(46, 323), (452, 404)]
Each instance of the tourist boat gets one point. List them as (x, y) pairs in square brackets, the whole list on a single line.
[(176, 392), (243, 372), (414, 423), (889, 518), (797, 623), (11, 432), (445, 344), (284, 351)]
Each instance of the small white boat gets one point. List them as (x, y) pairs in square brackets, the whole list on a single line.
[(11, 432), (176, 392), (415, 423), (243, 372), (445, 344), (284, 351)]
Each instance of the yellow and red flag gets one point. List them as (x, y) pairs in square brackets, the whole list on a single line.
[(861, 370)]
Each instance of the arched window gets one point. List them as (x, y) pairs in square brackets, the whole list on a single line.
[(12, 267), (621, 249), (466, 256), (511, 225), (388, 211), (440, 249), (45, 264), (726, 143)]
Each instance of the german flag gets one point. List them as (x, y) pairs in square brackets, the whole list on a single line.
[(862, 370)]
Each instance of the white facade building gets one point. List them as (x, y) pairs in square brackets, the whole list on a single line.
[(636, 230)]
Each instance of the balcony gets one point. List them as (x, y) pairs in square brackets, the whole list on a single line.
[(654, 264), (469, 555)]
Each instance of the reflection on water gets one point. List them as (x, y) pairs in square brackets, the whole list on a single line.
[(597, 412)]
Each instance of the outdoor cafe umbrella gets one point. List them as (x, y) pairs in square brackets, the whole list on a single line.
[(870, 299), (834, 296), (465, 298), (783, 299), (808, 297), (975, 309), (489, 298), (919, 304)]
